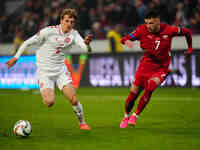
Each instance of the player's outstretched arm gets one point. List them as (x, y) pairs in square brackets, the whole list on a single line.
[(83, 43), (129, 43), (11, 62), (127, 40), (187, 33), (32, 40)]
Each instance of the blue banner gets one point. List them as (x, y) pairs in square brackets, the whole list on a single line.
[(21, 75), (102, 70)]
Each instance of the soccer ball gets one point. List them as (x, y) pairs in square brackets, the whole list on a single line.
[(22, 128)]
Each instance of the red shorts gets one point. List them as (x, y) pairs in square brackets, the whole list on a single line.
[(142, 77)]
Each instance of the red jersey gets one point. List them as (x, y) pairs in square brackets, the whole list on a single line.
[(156, 46)]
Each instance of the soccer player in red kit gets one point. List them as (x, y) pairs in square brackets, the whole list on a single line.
[(155, 40)]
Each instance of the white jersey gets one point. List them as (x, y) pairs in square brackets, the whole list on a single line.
[(53, 45)]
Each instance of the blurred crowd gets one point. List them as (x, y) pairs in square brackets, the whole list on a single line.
[(96, 16)]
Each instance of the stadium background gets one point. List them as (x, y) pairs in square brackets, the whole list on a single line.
[(171, 119)]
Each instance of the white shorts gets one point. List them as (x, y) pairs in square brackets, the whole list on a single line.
[(47, 79)]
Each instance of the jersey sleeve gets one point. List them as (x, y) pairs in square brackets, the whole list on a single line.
[(136, 34), (80, 41), (36, 39)]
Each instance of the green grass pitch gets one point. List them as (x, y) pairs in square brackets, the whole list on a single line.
[(171, 121)]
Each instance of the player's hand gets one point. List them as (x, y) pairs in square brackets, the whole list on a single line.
[(187, 54), (88, 39), (129, 43), (11, 62), (124, 39)]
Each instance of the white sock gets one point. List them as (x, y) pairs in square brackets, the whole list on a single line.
[(134, 114), (126, 115), (78, 109)]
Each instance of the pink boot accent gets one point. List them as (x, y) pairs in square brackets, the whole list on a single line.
[(132, 120), (124, 122), (84, 126)]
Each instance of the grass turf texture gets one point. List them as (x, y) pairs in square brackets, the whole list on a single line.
[(170, 122)]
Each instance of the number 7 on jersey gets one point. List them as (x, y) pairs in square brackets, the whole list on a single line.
[(157, 42)]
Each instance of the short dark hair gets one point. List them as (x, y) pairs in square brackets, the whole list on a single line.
[(152, 14)]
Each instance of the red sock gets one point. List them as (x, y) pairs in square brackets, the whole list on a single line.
[(143, 101), (130, 102)]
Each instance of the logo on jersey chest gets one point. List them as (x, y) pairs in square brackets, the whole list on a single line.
[(67, 39), (158, 38), (165, 36)]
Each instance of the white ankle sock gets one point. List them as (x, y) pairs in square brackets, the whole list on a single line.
[(78, 109), (126, 115), (134, 114)]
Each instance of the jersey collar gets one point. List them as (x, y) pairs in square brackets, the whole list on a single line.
[(61, 32)]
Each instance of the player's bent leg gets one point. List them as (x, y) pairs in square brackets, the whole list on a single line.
[(130, 101), (141, 105), (152, 84), (133, 95), (46, 89), (48, 96), (132, 118), (70, 93)]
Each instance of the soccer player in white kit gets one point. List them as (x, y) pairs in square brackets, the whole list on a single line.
[(53, 42)]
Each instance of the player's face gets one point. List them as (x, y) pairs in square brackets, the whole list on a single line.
[(153, 24), (67, 23)]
